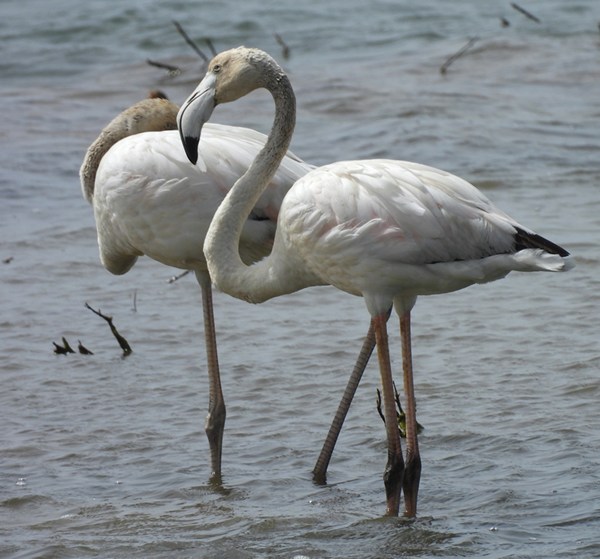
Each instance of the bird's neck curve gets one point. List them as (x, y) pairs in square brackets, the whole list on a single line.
[(153, 114), (89, 168), (258, 282)]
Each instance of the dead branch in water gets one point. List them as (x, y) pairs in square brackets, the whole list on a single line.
[(213, 51), (63, 349), (179, 276), (122, 341), (461, 52), (189, 41), (285, 50), (525, 12), (173, 70), (83, 350)]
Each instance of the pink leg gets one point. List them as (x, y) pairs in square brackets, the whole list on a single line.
[(394, 470), (215, 420), (320, 469), (412, 473)]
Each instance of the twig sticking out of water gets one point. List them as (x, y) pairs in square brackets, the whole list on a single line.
[(525, 12), (461, 52), (173, 70), (400, 415), (8, 260), (179, 276), (213, 51), (122, 341), (189, 41), (63, 349), (83, 350), (285, 50), (504, 22)]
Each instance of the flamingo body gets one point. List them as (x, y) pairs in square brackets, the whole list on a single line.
[(148, 199), (387, 230)]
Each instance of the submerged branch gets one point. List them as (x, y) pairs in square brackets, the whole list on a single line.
[(179, 276), (83, 350), (461, 52), (189, 41), (122, 341), (400, 415), (173, 70), (63, 349), (525, 12), (213, 51), (285, 50)]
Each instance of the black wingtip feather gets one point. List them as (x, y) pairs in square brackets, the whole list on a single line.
[(523, 240)]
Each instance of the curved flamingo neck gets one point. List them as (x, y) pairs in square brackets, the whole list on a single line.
[(153, 114), (258, 282), (107, 138)]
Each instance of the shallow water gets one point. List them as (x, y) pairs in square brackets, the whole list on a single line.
[(105, 456)]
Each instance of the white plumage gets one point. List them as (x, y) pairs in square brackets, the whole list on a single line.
[(149, 200), (386, 230)]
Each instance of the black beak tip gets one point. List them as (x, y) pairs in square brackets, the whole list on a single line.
[(190, 145)]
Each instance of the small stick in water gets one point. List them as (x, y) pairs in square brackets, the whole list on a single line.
[(122, 341), (189, 41), (63, 349), (458, 54), (525, 12), (285, 50), (84, 350), (213, 51), (179, 276), (173, 70)]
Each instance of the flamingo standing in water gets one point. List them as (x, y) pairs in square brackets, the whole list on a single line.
[(148, 199), (385, 230)]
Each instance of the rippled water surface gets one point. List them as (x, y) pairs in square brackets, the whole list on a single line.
[(105, 456)]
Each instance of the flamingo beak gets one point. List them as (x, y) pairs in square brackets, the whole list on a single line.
[(194, 112)]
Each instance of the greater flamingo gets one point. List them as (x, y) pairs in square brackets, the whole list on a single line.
[(148, 200), (386, 230)]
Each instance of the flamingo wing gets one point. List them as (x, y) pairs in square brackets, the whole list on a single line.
[(397, 211), (150, 200)]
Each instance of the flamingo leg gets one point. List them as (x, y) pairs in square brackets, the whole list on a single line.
[(320, 469), (394, 470), (215, 420), (412, 473)]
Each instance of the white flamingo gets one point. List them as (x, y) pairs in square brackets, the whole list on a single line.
[(386, 230), (148, 200)]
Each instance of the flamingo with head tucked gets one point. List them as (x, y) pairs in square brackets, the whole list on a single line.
[(385, 230), (148, 200)]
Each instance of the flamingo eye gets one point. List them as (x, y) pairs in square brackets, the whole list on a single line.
[(216, 68)]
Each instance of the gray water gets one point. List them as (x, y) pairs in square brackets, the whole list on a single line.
[(105, 456)]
